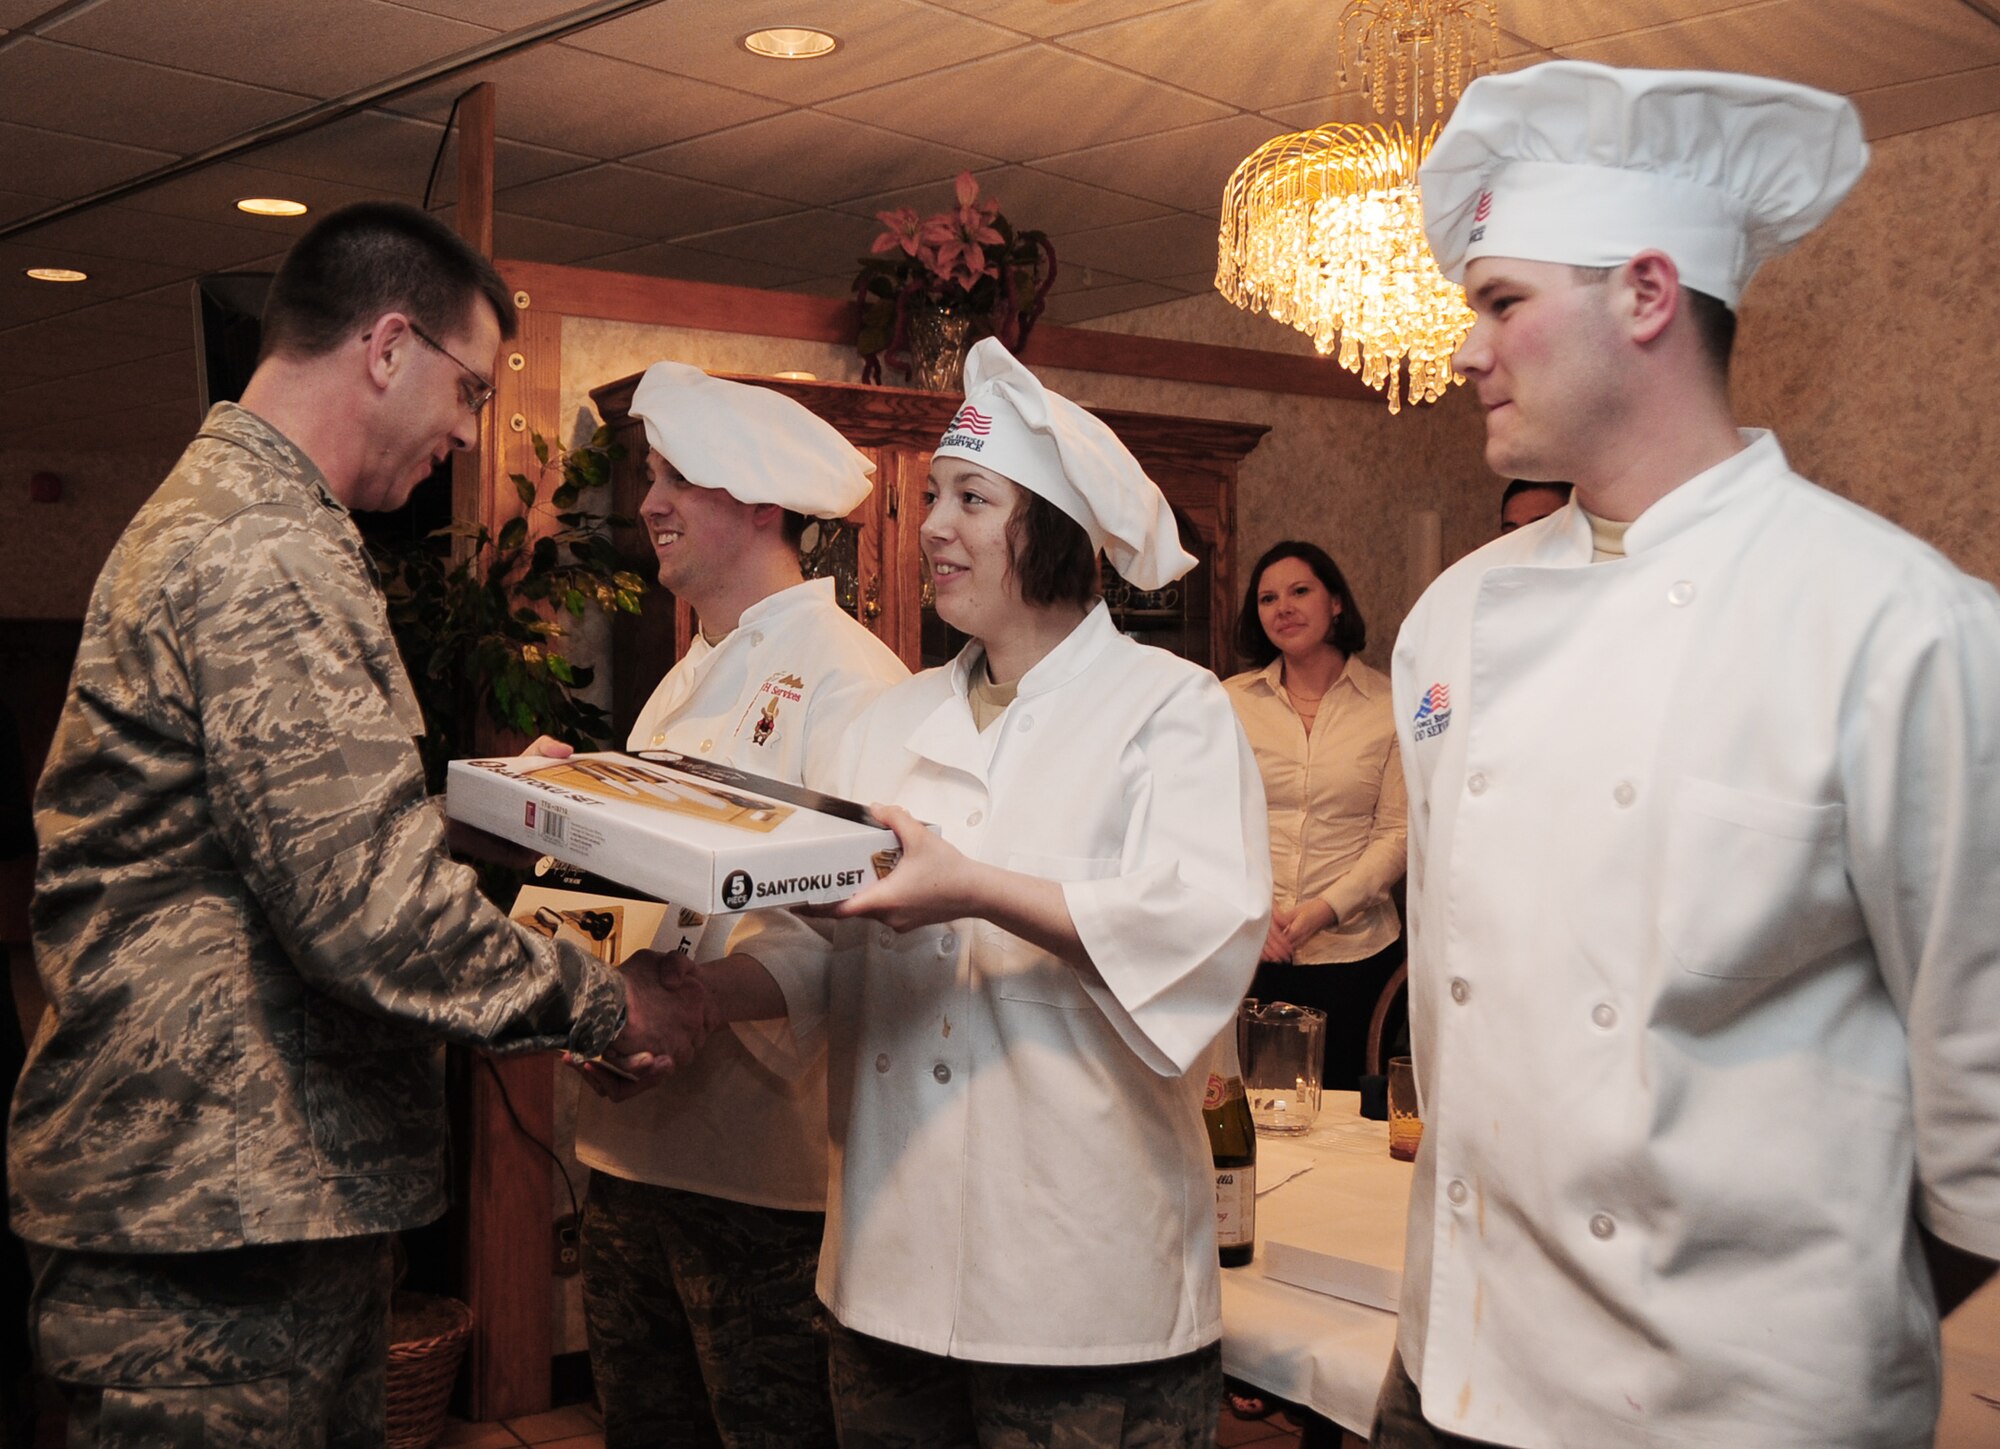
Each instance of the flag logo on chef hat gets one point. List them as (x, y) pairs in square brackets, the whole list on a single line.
[(1480, 215), (1433, 711), (968, 430)]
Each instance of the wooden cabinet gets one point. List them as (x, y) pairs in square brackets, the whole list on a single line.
[(873, 554)]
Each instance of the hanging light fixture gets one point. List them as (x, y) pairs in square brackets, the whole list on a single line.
[(1324, 229)]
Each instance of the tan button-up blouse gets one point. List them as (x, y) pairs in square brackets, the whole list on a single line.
[(1337, 803)]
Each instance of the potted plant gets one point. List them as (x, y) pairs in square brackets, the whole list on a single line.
[(934, 285), (486, 637)]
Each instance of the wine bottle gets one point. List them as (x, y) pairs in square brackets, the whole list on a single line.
[(1232, 1140)]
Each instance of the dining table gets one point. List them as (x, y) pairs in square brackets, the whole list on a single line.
[(1331, 1204)]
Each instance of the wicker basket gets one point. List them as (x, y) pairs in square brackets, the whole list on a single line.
[(427, 1338)]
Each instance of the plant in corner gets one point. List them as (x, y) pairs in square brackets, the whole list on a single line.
[(487, 636), (964, 273)]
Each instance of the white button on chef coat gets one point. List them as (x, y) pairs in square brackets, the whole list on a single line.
[(1785, 912)]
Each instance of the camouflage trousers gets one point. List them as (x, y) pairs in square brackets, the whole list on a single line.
[(886, 1396), (704, 1328), (1400, 1421), (278, 1347)]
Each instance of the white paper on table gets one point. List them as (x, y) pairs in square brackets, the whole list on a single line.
[(1278, 1162)]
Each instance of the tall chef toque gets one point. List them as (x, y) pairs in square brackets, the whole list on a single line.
[(1013, 426), (1590, 165), (756, 445)]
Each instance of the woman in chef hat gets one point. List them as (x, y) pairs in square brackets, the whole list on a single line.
[(1021, 1222)]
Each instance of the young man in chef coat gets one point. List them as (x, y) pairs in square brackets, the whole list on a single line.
[(707, 1198), (1704, 832)]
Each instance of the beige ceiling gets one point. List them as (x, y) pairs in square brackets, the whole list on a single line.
[(654, 143)]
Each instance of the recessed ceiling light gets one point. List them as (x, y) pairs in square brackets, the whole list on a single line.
[(58, 274), (271, 206), (790, 42)]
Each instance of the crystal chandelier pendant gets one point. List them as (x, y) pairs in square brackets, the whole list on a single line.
[(1323, 229)]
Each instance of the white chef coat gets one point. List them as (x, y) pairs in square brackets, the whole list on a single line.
[(773, 698), (1705, 969), (1022, 1175)]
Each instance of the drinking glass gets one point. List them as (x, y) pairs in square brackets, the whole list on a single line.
[(1406, 1126)]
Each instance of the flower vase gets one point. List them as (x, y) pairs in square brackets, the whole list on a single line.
[(937, 338)]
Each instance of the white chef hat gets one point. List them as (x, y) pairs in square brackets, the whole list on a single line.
[(1041, 440), (756, 445), (1590, 165)]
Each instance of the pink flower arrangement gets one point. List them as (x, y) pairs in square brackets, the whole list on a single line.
[(967, 260)]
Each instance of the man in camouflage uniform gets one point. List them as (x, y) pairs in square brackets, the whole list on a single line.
[(250, 933)]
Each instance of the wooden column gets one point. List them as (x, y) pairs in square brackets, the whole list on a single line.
[(505, 1247)]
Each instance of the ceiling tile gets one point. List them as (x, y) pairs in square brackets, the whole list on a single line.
[(1102, 301), (591, 104), (880, 41), (61, 88), (642, 204), (22, 298), (392, 156), (808, 156), (1558, 24), (533, 239), (150, 430), (1250, 53), (1892, 110), (1004, 106), (211, 194), (500, 14), (665, 259), (826, 243), (49, 163), (1838, 45), (1057, 17), (1166, 246), (119, 231), (1028, 197), (1186, 168), (314, 47), (60, 346), (1084, 279)]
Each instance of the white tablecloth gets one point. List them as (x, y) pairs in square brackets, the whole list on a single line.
[(1312, 1348)]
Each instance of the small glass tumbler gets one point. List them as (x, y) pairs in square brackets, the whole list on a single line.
[(1406, 1127)]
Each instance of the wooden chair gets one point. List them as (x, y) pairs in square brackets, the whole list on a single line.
[(1397, 986)]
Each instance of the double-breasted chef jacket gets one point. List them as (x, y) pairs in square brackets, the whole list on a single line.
[(1705, 856), (1021, 1174), (772, 696)]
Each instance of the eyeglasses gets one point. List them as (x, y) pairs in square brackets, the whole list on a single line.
[(473, 390)]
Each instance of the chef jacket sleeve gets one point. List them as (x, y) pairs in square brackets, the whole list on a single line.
[(1175, 935), (1921, 761), (1380, 864), (799, 955)]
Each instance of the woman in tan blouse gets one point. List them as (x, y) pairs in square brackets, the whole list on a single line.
[(1324, 734)]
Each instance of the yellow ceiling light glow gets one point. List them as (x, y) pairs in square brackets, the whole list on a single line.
[(790, 42), (1323, 229), (58, 274), (271, 206)]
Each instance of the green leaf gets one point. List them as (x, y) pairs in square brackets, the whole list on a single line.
[(514, 533), (541, 446), (524, 489), (574, 602)]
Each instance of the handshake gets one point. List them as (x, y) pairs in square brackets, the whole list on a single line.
[(669, 1013)]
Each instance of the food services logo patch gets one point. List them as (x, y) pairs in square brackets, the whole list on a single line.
[(1433, 711), (1481, 214)]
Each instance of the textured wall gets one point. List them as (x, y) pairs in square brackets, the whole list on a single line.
[(50, 553), (1874, 348)]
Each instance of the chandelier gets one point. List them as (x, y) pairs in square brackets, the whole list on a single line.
[(1324, 229)]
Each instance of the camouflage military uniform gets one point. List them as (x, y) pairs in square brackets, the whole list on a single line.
[(245, 920), (693, 1307), (886, 1396)]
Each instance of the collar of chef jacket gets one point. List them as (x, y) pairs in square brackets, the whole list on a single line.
[(947, 736)]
